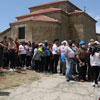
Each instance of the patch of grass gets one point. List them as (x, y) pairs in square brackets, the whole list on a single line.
[(14, 79), (10, 86), (34, 78), (48, 75)]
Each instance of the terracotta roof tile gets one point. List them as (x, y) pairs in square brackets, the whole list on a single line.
[(36, 18), (55, 2), (44, 18), (75, 12), (39, 12)]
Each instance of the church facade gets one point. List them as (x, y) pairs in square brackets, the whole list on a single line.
[(59, 19)]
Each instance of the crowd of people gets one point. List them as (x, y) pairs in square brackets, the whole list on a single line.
[(77, 61)]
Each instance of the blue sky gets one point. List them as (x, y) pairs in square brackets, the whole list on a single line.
[(9, 9)]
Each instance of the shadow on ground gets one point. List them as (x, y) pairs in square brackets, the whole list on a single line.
[(4, 93)]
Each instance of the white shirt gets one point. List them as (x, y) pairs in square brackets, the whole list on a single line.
[(61, 48), (74, 49), (54, 49), (22, 49), (70, 52), (94, 60)]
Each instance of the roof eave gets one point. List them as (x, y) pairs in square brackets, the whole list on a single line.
[(52, 3), (14, 23), (36, 14)]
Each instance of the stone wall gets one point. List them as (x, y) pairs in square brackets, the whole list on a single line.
[(64, 20), (82, 27), (7, 33), (76, 29), (98, 37), (38, 31), (28, 30), (89, 28), (65, 26), (45, 31)]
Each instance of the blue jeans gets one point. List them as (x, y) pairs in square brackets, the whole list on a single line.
[(69, 68)]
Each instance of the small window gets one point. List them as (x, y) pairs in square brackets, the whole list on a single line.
[(22, 33)]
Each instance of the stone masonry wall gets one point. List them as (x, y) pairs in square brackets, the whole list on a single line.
[(89, 28), (98, 37), (63, 19), (76, 28), (28, 30), (45, 31), (82, 28), (5, 33)]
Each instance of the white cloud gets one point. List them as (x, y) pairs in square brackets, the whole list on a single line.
[(98, 28), (97, 17)]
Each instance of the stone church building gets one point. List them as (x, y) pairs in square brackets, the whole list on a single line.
[(58, 19)]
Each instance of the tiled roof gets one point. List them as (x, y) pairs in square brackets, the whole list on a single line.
[(45, 18), (36, 18), (75, 12), (55, 2), (39, 12)]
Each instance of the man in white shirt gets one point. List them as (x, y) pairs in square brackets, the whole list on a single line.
[(55, 52), (70, 62)]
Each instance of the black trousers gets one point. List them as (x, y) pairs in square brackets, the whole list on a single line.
[(46, 63), (1, 54), (55, 63), (37, 65), (90, 71), (17, 59), (96, 70), (28, 61), (51, 65), (5, 59), (22, 60), (12, 58), (82, 70)]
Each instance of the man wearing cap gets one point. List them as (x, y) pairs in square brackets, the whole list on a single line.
[(81, 56)]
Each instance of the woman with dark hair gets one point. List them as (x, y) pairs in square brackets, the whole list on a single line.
[(28, 54), (17, 63), (11, 48), (95, 63)]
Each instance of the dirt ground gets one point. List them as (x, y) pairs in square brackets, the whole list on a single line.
[(53, 87), (14, 79)]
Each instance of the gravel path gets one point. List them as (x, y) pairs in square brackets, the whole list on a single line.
[(53, 87)]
